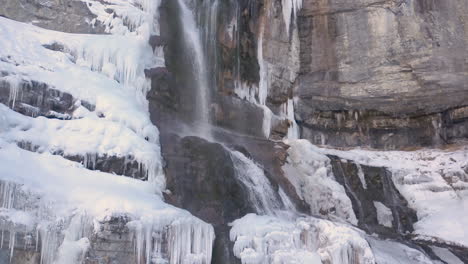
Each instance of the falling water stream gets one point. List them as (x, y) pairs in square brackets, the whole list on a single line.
[(193, 43)]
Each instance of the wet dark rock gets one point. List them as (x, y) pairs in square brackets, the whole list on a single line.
[(156, 41), (54, 46), (201, 179), (239, 115)]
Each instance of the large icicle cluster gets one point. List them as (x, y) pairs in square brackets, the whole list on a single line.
[(272, 240), (290, 10), (73, 199)]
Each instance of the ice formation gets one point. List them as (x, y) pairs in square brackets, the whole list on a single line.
[(434, 182), (310, 173), (278, 234), (73, 198), (56, 205), (90, 136), (290, 10), (273, 240)]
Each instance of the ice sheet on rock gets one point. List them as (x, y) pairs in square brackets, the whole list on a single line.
[(434, 182), (78, 197), (311, 174), (87, 137), (267, 239)]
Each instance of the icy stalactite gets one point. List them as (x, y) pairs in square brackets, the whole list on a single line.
[(13, 222), (113, 59), (90, 160), (263, 84), (190, 242), (293, 129), (290, 10), (183, 241), (7, 194), (14, 82), (361, 176), (75, 239)]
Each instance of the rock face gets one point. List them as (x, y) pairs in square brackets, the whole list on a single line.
[(66, 16), (201, 178), (386, 74)]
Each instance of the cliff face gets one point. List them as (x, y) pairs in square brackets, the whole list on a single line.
[(66, 16), (360, 73), (214, 108), (385, 74)]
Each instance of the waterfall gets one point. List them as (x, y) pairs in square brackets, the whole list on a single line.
[(193, 43), (265, 199)]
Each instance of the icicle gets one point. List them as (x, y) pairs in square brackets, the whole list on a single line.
[(15, 85), (7, 192), (290, 10), (361, 176), (293, 129), (12, 242), (188, 241)]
